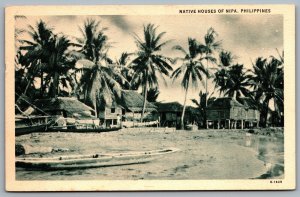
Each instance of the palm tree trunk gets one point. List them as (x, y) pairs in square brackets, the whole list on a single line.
[(55, 85), (206, 79), (204, 112), (42, 86), (145, 100), (95, 108), (234, 95), (184, 106), (265, 112)]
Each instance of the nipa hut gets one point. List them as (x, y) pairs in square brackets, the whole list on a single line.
[(170, 114), (132, 103), (228, 113), (110, 116), (64, 106)]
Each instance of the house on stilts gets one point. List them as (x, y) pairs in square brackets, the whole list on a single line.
[(170, 114), (228, 113)]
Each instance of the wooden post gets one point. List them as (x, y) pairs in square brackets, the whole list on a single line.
[(229, 126), (218, 124), (206, 124), (242, 124), (133, 119)]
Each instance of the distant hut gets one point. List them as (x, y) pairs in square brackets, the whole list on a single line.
[(132, 103), (228, 113), (170, 114)]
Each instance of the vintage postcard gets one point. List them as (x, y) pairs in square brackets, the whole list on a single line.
[(150, 97)]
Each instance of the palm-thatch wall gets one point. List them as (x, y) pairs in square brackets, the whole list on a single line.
[(170, 114)]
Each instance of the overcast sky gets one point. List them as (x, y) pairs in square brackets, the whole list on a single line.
[(246, 36)]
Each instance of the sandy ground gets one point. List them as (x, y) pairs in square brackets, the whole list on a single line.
[(202, 155)]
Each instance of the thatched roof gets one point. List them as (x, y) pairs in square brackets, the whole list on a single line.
[(133, 101), (68, 104), (224, 103), (169, 107)]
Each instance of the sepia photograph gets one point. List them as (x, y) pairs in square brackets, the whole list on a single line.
[(150, 93)]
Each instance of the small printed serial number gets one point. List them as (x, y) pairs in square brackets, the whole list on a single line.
[(276, 181)]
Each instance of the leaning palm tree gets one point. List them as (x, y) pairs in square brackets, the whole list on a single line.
[(149, 63), (191, 68), (267, 81)]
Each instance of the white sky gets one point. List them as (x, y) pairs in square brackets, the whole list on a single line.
[(246, 36)]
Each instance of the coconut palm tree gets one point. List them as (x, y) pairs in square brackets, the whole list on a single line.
[(98, 78), (99, 84), (59, 63), (152, 94), (122, 67), (149, 63), (267, 81), (36, 52), (210, 45), (221, 76), (93, 43), (201, 105), (237, 84), (191, 68), (46, 56)]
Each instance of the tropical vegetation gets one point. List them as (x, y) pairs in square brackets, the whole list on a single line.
[(149, 63), (191, 68), (50, 64)]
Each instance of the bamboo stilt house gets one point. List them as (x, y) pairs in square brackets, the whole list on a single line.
[(228, 113)]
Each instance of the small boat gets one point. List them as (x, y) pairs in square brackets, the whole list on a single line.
[(29, 124), (74, 129), (91, 161)]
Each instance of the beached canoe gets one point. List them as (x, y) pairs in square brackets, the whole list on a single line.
[(30, 124), (91, 161), (82, 130)]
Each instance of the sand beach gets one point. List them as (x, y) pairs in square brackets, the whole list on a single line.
[(203, 154)]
